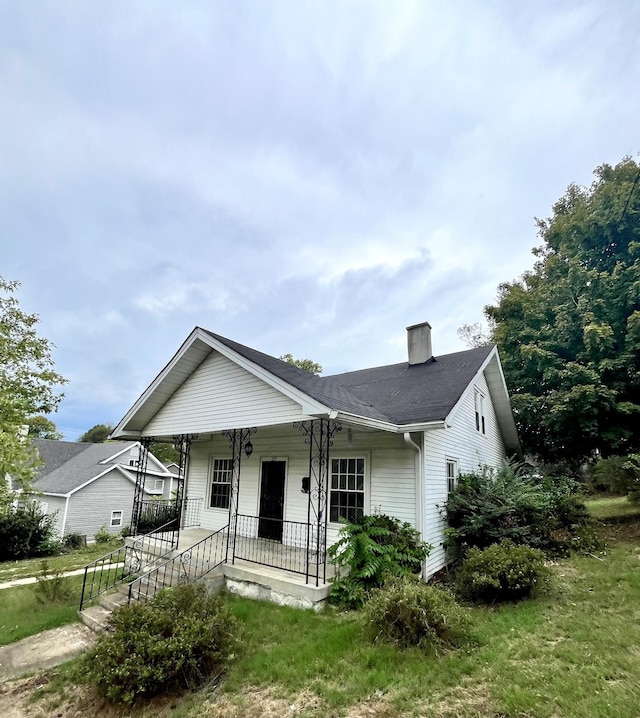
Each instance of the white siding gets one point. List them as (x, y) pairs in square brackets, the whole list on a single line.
[(471, 449), (91, 507), (390, 479), (55, 508), (221, 395)]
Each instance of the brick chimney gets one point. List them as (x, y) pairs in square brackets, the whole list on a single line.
[(419, 343)]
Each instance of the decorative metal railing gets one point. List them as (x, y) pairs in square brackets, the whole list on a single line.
[(191, 512), (113, 568), (190, 565), (278, 544)]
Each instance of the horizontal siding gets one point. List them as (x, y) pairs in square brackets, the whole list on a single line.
[(390, 467), (54, 507), (91, 507), (472, 450), (221, 395)]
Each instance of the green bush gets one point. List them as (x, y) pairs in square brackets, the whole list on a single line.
[(407, 612), (26, 532), (51, 587), (102, 536), (156, 514), (367, 550), (502, 572), (179, 639), (528, 509), (73, 541), (609, 476)]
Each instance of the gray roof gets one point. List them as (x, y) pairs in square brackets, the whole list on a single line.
[(67, 465), (398, 393)]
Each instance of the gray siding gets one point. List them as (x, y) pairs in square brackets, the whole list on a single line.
[(91, 507)]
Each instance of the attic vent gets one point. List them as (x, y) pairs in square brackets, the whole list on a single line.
[(419, 343)]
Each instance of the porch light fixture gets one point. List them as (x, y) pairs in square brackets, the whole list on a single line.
[(248, 448), (305, 485)]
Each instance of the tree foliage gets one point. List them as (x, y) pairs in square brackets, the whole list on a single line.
[(568, 331), (306, 364), (28, 386), (42, 428), (97, 434)]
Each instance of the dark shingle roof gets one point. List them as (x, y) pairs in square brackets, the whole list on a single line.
[(68, 464), (398, 393)]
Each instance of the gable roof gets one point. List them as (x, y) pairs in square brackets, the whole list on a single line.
[(69, 465), (397, 397)]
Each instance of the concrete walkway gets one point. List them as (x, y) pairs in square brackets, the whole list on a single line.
[(44, 650), (33, 579)]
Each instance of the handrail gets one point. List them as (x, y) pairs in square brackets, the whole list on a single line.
[(114, 567), (189, 566)]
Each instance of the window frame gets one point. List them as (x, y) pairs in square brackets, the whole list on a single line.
[(365, 492), (156, 487), (228, 469), (451, 477), (112, 523), (480, 417)]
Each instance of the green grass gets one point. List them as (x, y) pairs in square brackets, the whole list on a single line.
[(10, 570), (21, 614), (613, 507)]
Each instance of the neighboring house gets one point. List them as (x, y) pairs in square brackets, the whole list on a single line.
[(88, 486), (280, 456)]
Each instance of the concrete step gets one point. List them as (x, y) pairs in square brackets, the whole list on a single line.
[(95, 617), (111, 601)]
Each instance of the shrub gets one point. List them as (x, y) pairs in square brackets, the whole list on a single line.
[(102, 536), (176, 640), (525, 508), (367, 550), (26, 532), (51, 588), (156, 514), (502, 572), (407, 612), (73, 541)]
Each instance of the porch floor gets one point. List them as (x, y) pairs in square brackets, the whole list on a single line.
[(276, 561)]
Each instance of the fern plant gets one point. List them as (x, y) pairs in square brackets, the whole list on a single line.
[(367, 550)]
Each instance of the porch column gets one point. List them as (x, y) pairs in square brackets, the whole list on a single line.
[(239, 441), (141, 474), (318, 435), (183, 443)]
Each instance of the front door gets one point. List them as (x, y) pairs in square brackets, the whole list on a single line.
[(272, 500)]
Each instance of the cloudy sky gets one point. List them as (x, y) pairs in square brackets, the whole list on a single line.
[(304, 177)]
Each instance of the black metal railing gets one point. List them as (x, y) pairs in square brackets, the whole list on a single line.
[(191, 565), (113, 568), (191, 513), (288, 545)]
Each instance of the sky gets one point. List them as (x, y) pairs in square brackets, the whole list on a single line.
[(301, 177)]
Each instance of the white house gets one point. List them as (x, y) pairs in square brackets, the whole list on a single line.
[(279, 456), (90, 486)]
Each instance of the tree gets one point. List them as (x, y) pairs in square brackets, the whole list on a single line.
[(42, 428), (306, 364), (97, 434), (167, 453), (28, 386), (475, 335), (569, 330)]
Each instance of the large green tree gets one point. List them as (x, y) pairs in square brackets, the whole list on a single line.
[(569, 330), (307, 364), (97, 434), (28, 386), (42, 428)]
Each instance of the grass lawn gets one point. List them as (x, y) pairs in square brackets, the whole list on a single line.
[(79, 558), (572, 653), (21, 614), (612, 508)]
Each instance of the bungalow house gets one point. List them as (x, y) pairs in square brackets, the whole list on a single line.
[(90, 486), (277, 457)]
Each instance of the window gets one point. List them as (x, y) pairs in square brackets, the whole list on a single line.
[(452, 475), (347, 489), (480, 422), (116, 518), (158, 485), (220, 471)]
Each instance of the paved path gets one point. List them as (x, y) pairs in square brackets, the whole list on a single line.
[(32, 579), (44, 650)]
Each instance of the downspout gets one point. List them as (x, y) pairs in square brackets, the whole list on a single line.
[(64, 517), (419, 480)]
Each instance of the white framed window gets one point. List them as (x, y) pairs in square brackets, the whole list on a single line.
[(480, 419), (347, 493), (116, 518), (158, 485), (220, 473), (452, 474)]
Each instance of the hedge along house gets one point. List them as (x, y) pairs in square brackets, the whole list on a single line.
[(276, 457)]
